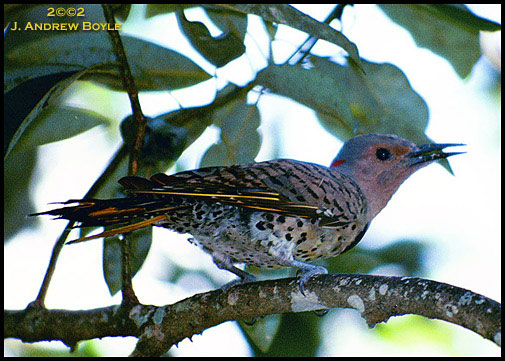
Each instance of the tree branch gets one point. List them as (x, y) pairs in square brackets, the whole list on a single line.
[(140, 122), (377, 298)]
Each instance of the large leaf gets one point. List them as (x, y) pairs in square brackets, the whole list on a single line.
[(315, 88), (229, 21), (20, 101), (34, 123), (18, 173), (240, 140), (31, 54), (140, 243), (167, 135), (449, 30), (381, 101), (287, 15), (18, 41), (262, 332), (349, 102), (152, 66), (461, 16), (222, 49), (69, 121), (298, 335)]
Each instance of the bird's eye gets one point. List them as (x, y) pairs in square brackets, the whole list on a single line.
[(383, 154)]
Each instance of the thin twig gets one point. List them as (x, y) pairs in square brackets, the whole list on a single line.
[(140, 125), (309, 43), (39, 302), (130, 87)]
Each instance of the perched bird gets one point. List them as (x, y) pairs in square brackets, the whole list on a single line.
[(278, 213)]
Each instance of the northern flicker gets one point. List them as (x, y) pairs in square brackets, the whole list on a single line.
[(278, 213)]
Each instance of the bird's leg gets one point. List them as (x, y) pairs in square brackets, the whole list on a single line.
[(307, 271), (224, 262)]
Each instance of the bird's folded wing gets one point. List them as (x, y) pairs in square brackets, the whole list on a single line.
[(256, 187), (269, 186)]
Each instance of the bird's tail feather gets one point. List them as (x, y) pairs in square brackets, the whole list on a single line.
[(128, 213), (121, 230)]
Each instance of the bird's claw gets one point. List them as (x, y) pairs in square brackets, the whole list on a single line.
[(308, 273)]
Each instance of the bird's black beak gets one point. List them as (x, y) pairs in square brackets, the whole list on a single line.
[(431, 152)]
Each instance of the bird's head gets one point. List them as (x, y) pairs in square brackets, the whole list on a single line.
[(380, 163)]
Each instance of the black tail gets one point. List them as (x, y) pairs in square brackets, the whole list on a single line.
[(136, 212), (96, 212)]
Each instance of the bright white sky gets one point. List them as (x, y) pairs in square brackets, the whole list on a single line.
[(459, 216)]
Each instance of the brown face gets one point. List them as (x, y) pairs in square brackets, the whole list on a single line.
[(383, 156), (393, 159), (380, 163), (372, 156)]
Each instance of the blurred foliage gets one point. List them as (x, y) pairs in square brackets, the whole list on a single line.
[(140, 242), (350, 96), (239, 141), (287, 343), (84, 349), (414, 329), (407, 254), (445, 29), (218, 50)]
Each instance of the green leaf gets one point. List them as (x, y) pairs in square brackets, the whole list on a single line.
[(449, 31), (413, 331), (461, 16), (349, 102), (222, 49), (17, 44), (287, 15), (162, 9), (229, 22), (153, 67), (187, 124), (20, 101), (407, 254), (34, 122), (140, 243), (381, 101), (263, 331), (112, 264), (298, 335), (316, 88), (68, 121), (240, 141), (18, 174)]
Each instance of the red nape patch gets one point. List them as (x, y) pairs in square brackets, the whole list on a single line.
[(336, 163)]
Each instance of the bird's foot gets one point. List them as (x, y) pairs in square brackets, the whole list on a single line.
[(307, 271), (224, 262)]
